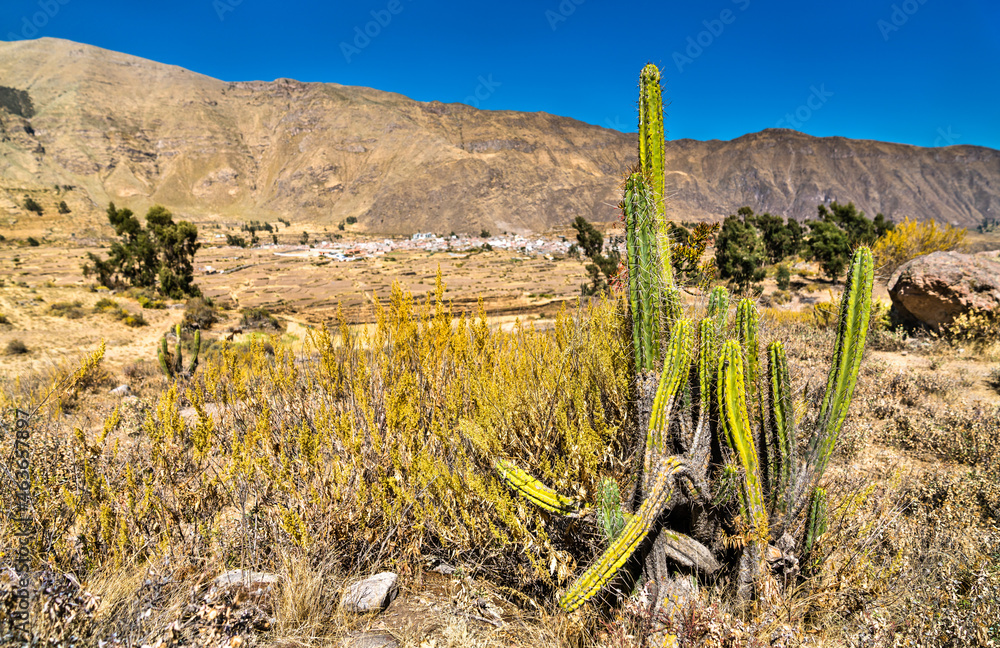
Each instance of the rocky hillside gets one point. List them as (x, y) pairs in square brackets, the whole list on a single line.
[(86, 125)]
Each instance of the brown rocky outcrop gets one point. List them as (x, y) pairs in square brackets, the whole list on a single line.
[(935, 288)]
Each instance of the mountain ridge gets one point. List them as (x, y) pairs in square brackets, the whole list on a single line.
[(122, 128)]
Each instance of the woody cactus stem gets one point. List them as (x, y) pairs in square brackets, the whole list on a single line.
[(636, 529)]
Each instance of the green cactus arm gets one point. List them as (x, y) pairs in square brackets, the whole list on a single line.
[(781, 424), (194, 354), (636, 529), (852, 330), (609, 509), (718, 307), (164, 365), (630, 209), (535, 491), (676, 366), (747, 324), (736, 423), (651, 135), (644, 284), (178, 363), (707, 363), (817, 523)]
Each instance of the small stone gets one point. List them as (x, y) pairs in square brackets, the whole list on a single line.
[(373, 594), (445, 569), (370, 640), (121, 390), (255, 583)]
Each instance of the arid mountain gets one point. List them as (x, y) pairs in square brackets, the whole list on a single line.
[(117, 127)]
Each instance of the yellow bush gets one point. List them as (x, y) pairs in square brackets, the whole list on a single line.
[(910, 239), (375, 447)]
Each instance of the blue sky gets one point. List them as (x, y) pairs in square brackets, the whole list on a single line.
[(924, 72)]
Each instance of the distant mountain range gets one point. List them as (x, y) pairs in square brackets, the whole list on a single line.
[(108, 126)]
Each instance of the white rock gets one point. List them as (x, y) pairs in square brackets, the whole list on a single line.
[(256, 583), (373, 594), (121, 390)]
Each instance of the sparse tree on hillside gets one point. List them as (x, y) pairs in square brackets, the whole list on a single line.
[(31, 205), (63, 207)]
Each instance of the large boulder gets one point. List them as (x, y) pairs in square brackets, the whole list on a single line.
[(935, 288)]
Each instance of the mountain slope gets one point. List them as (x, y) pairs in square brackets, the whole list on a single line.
[(117, 127)]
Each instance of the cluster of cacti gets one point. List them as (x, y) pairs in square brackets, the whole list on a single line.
[(714, 388), (174, 366)]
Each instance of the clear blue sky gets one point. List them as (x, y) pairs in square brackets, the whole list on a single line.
[(923, 72)]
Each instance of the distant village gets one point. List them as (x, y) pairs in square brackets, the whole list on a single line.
[(347, 250)]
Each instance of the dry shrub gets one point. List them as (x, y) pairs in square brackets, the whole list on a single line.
[(910, 239), (69, 310)]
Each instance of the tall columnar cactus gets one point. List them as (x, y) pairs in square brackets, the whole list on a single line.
[(716, 423)]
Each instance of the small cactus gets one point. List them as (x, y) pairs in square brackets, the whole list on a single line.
[(173, 367)]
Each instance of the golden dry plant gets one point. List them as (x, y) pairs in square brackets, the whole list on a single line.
[(910, 239), (375, 447)]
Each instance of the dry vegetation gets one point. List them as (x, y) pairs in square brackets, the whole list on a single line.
[(361, 449)]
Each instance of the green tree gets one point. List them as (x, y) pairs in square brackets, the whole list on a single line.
[(63, 207), (783, 275), (779, 240), (829, 246), (859, 229), (161, 256), (739, 252), (351, 220), (589, 238)]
